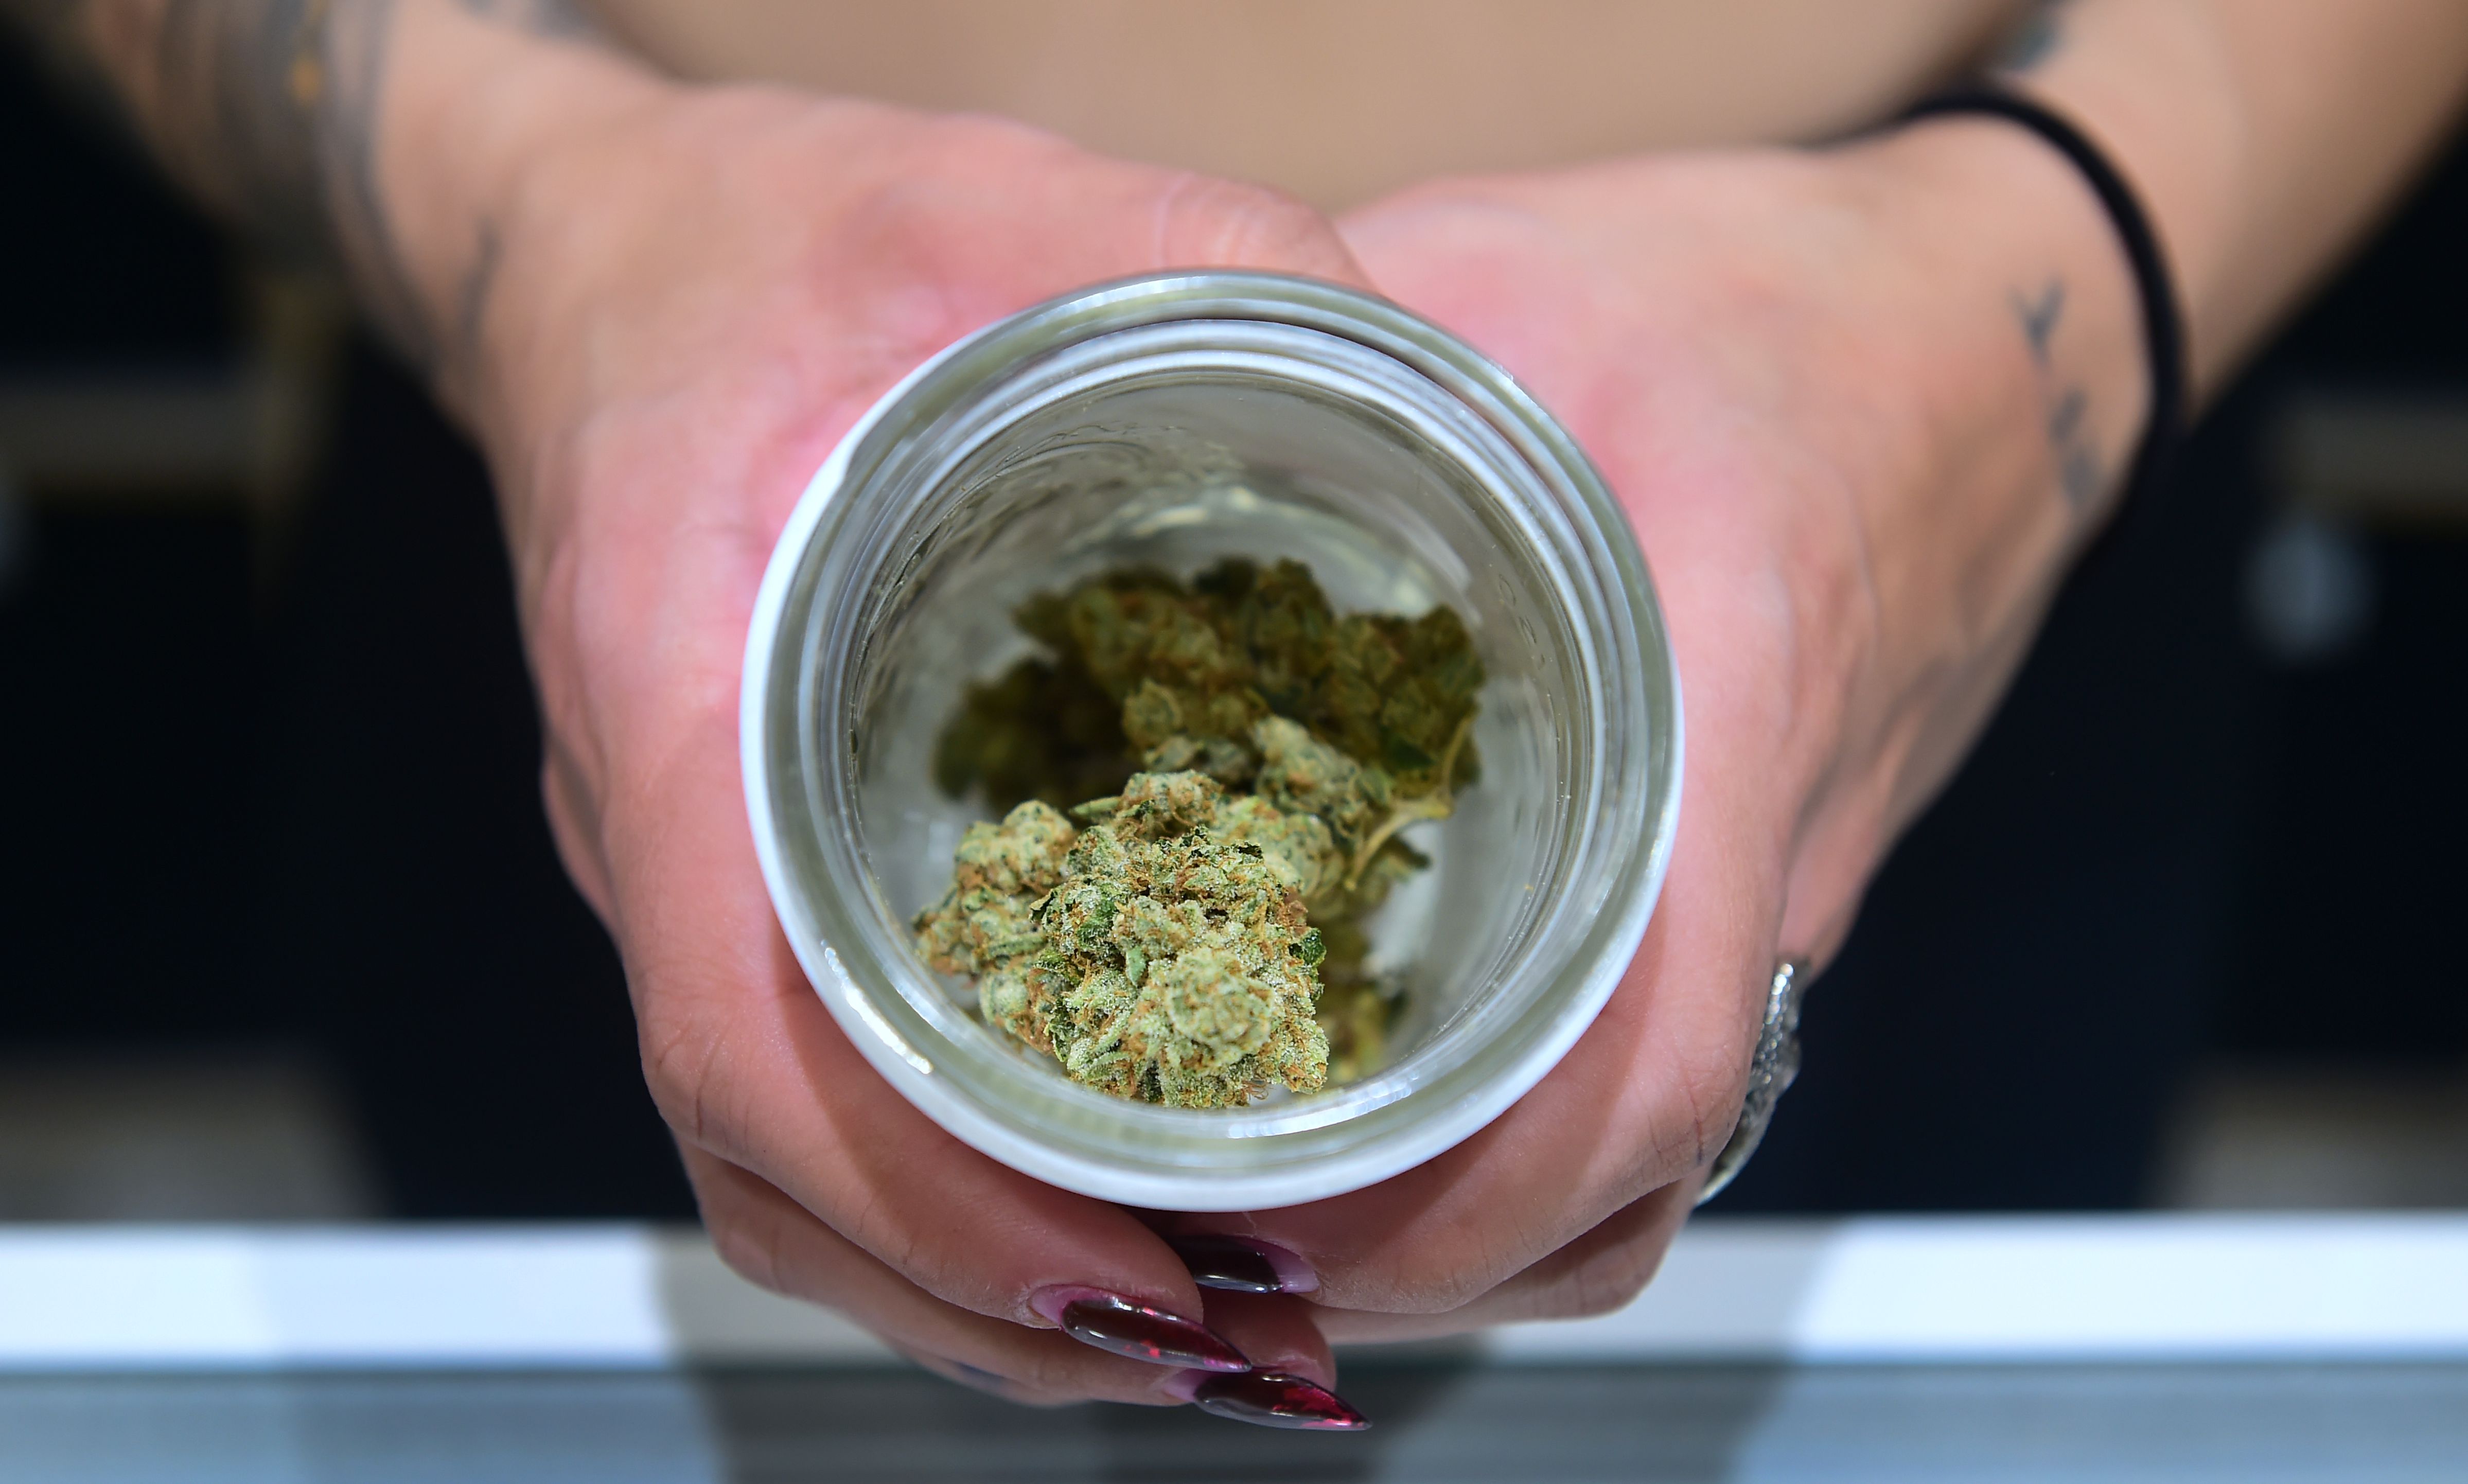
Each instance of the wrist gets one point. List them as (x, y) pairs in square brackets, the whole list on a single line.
[(2050, 353), (2010, 359), (2152, 86), (2043, 351), (472, 109)]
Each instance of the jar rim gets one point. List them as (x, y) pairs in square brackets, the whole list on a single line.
[(1180, 1158)]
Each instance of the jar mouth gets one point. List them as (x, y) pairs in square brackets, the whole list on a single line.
[(1188, 412)]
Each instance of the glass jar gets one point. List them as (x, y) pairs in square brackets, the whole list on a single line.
[(1178, 419)]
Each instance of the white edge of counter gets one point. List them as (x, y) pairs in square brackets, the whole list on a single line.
[(1873, 1290)]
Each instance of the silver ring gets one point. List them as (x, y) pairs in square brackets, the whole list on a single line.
[(1770, 1076)]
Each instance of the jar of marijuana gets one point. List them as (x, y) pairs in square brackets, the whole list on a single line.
[(1156, 435)]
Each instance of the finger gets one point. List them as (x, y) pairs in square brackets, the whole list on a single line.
[(1651, 1089), (747, 1065), (740, 1055), (774, 1243), (1205, 221), (1122, 218), (1600, 1272), (1278, 1334)]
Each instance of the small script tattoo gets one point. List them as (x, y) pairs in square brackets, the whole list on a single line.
[(2081, 472), (2039, 317)]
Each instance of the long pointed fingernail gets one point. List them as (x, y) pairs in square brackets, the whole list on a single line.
[(1275, 1399), (1114, 1323), (1243, 1265)]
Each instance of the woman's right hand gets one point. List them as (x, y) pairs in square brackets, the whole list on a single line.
[(681, 299)]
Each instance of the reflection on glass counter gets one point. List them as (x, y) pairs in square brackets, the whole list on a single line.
[(2358, 1424)]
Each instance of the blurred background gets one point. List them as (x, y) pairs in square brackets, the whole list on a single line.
[(282, 935)]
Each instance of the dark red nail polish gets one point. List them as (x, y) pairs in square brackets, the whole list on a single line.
[(1242, 1266), (1273, 1398), (1114, 1323)]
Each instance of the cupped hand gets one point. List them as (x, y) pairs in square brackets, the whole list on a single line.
[(1804, 376), (689, 303)]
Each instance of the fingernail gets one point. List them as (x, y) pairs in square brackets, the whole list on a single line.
[(1114, 1323), (1243, 1265), (1274, 1398)]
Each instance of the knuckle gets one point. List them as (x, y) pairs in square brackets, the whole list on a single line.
[(1443, 1265), (875, 1224), (1602, 1283), (682, 1069), (744, 1254), (1707, 1087), (1714, 1094), (748, 1244), (1440, 1279), (1442, 1295)]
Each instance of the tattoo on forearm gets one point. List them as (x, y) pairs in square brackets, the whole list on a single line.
[(2039, 316), (2041, 36), (2081, 472), (270, 110)]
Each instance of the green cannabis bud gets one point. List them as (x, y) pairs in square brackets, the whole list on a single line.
[(1160, 953), (1044, 729), (1146, 672), (985, 924), (1300, 740)]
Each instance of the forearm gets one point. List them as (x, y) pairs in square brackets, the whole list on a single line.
[(376, 134), (2264, 136), (2020, 384), (2263, 140)]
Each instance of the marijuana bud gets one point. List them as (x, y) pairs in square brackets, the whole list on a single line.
[(1302, 774), (1161, 952), (1248, 757), (1148, 673), (1043, 729), (986, 925)]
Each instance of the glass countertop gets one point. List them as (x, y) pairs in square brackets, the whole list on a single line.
[(2246, 1349)]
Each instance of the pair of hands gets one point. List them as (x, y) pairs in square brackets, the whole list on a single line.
[(691, 302)]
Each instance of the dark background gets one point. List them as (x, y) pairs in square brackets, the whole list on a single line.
[(274, 780)]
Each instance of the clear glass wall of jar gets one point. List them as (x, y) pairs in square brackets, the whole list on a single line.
[(1179, 420)]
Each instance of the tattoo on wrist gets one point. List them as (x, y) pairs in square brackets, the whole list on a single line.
[(270, 109), (2081, 472)]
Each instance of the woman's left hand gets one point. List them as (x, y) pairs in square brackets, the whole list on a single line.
[(1823, 386)]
